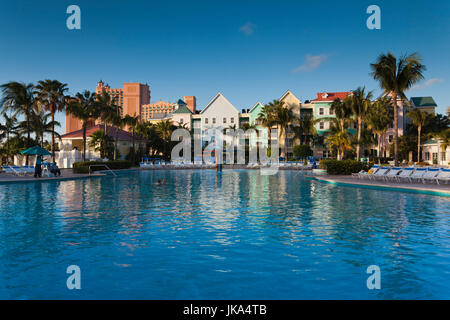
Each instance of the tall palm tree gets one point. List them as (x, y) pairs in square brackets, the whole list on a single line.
[(378, 119), (284, 116), (360, 102), (118, 122), (443, 138), (83, 107), (305, 128), (342, 110), (338, 139), (132, 123), (395, 77), (267, 118), (419, 119), (20, 98), (6, 130), (41, 124), (107, 108), (52, 95)]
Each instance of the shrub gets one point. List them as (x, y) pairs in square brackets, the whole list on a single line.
[(343, 167), (83, 166), (302, 151)]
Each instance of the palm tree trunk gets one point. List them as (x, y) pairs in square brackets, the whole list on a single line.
[(384, 146), (84, 141), (53, 136), (28, 137), (116, 138), (379, 148), (394, 98), (7, 147), (358, 146), (419, 129)]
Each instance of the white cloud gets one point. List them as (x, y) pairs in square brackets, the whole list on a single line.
[(248, 28), (427, 84), (311, 62)]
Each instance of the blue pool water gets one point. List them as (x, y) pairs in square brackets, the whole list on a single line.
[(240, 235)]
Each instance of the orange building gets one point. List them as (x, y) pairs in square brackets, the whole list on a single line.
[(158, 109), (130, 98)]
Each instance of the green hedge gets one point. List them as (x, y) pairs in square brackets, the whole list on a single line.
[(344, 167), (83, 166)]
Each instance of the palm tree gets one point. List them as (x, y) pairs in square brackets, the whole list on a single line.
[(419, 119), (101, 142), (283, 118), (9, 128), (378, 119), (51, 94), (83, 107), (305, 129), (164, 129), (342, 111), (360, 102), (118, 122), (132, 123), (41, 124), (443, 138), (20, 98), (395, 77), (267, 118), (107, 108), (338, 139)]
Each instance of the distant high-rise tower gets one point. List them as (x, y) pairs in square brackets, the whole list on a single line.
[(130, 98), (191, 102)]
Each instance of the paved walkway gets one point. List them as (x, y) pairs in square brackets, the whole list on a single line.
[(349, 180), (65, 175)]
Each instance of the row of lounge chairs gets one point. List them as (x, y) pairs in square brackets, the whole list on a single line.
[(407, 174), (18, 171)]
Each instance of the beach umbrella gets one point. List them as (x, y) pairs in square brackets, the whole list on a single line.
[(36, 150)]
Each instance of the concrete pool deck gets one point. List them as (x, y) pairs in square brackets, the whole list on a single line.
[(432, 189), (66, 174)]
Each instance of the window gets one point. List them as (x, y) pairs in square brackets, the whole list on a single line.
[(331, 112), (232, 120), (321, 111), (443, 158), (214, 120), (390, 138), (321, 125), (181, 121), (435, 156), (206, 120), (224, 120)]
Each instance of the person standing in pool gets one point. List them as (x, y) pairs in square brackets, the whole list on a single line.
[(38, 167)]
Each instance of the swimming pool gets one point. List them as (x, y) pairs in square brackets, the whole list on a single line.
[(239, 235)]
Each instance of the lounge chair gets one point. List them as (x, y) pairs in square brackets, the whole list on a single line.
[(364, 174), (10, 170), (28, 169), (20, 171), (430, 175), (405, 173), (417, 174), (443, 176), (392, 174), (379, 174)]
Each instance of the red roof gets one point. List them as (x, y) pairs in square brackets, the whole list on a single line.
[(122, 134), (331, 96)]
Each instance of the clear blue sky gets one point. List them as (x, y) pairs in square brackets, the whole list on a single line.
[(248, 50)]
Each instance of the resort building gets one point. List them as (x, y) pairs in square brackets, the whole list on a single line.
[(74, 140), (130, 98), (433, 152), (322, 108), (425, 104), (163, 109)]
